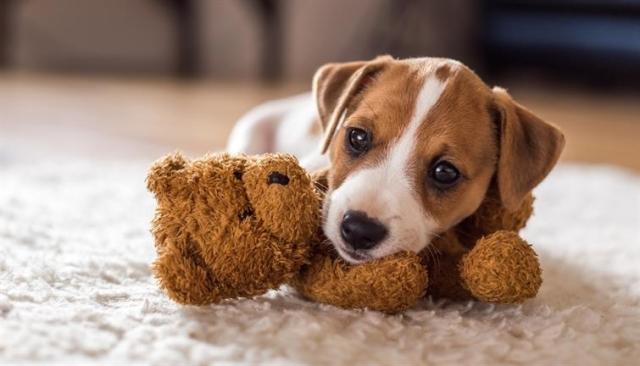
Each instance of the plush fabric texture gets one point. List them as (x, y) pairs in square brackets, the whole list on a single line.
[(484, 258), (391, 284), (502, 268), (76, 286), (235, 226), (228, 227)]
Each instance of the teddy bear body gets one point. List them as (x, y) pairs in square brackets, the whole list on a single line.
[(214, 234), (235, 226)]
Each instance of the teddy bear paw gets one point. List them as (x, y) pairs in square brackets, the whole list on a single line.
[(501, 268)]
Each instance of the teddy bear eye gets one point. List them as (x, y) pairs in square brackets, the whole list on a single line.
[(238, 174), (246, 212), (278, 178)]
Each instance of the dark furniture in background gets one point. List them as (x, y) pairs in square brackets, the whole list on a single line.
[(593, 41), (185, 17), (589, 41), (186, 26), (5, 29), (268, 14)]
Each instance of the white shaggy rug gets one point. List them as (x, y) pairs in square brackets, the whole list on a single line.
[(75, 286)]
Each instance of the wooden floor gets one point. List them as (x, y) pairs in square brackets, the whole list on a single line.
[(109, 118)]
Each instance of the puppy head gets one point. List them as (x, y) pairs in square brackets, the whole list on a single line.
[(414, 145)]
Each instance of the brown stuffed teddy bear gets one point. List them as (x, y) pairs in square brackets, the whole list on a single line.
[(236, 226)]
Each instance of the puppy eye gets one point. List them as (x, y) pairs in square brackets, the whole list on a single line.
[(444, 174), (358, 141)]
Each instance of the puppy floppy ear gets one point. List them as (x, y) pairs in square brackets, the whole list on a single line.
[(528, 149), (334, 86)]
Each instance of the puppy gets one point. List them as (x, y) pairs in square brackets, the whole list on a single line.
[(411, 147)]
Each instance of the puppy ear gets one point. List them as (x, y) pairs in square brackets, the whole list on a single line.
[(163, 171), (528, 149), (334, 86)]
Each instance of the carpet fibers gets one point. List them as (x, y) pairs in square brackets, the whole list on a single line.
[(75, 286)]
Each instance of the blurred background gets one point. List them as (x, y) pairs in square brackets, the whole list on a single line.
[(135, 79)]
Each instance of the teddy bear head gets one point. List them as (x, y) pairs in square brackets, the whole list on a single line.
[(220, 193)]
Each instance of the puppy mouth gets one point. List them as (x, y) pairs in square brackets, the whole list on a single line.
[(352, 256)]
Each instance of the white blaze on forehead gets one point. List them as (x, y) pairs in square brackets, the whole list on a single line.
[(386, 192), (400, 154)]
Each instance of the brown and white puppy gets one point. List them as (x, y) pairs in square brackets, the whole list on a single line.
[(413, 146)]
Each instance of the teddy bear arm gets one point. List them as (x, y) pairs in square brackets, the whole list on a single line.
[(390, 284), (184, 278), (501, 268)]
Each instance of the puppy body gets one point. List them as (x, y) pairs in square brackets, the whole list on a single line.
[(416, 116), (288, 125)]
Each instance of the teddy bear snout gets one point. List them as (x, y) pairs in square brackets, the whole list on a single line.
[(277, 178)]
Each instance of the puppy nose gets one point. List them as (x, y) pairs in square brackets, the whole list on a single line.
[(360, 231)]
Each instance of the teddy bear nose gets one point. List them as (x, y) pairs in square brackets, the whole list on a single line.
[(360, 231), (278, 178)]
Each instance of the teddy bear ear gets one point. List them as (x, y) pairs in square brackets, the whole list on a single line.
[(163, 172)]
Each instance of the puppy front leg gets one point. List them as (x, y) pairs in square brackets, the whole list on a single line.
[(443, 259), (390, 284)]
